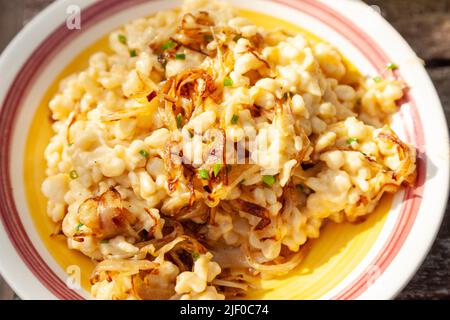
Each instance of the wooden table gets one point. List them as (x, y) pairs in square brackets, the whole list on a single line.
[(426, 26)]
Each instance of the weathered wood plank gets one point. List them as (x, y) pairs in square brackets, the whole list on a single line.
[(428, 34), (441, 80), (424, 24), (11, 17), (394, 10), (6, 293), (32, 7)]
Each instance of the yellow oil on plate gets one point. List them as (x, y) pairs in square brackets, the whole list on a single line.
[(329, 259)]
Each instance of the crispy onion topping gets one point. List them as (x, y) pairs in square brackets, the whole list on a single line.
[(254, 210), (149, 286), (106, 216), (191, 85), (274, 269), (195, 31)]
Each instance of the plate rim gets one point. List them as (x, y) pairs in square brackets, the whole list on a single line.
[(40, 19)]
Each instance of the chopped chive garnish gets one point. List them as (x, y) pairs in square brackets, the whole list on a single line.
[(391, 66), (169, 44), (300, 186), (216, 169), (268, 180), (377, 79), (73, 174), (144, 153), (180, 56), (234, 119), (227, 82), (179, 121), (78, 227), (122, 39), (208, 37), (104, 241), (352, 140), (237, 37), (133, 53), (203, 173), (195, 256)]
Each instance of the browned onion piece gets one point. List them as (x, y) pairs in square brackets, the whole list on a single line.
[(73, 117), (406, 173), (193, 31), (193, 84), (152, 287), (87, 213), (198, 210), (274, 269), (230, 258), (122, 265), (254, 210), (113, 217)]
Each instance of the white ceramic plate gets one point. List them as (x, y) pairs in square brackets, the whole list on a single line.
[(40, 51)]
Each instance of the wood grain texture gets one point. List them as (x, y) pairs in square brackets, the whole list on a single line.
[(425, 25)]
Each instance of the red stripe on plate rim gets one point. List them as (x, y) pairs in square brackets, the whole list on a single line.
[(104, 8)]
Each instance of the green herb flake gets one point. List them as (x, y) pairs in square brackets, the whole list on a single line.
[(133, 53), (208, 38), (216, 169), (234, 119), (79, 226), (268, 180), (227, 82), (104, 241), (169, 44), (195, 256), (203, 173), (180, 56), (377, 79), (300, 186), (73, 174), (144, 153), (179, 121), (352, 140), (391, 66), (70, 144), (122, 39)]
